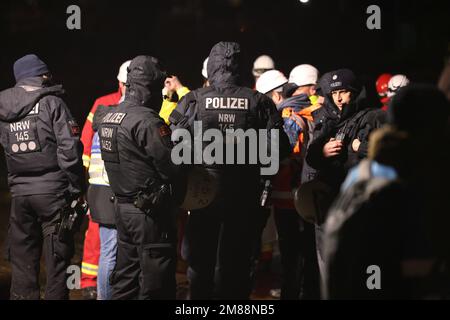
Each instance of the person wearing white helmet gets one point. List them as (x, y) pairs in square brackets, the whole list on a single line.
[(395, 83), (271, 83), (297, 258), (101, 219), (205, 72), (262, 64), (303, 80)]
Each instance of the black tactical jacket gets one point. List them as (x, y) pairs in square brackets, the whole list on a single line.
[(226, 105), (135, 142), (40, 139)]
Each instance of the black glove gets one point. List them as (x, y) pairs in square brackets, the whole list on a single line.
[(154, 197), (72, 216)]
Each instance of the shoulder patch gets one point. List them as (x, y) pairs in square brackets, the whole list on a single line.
[(164, 130), (75, 130), (35, 110)]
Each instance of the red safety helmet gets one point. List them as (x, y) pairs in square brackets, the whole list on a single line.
[(382, 87)]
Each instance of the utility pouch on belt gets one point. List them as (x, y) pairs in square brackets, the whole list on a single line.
[(72, 216)]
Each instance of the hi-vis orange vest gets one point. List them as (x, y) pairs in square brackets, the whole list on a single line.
[(289, 173)]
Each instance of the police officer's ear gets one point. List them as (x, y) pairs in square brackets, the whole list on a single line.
[(276, 97)]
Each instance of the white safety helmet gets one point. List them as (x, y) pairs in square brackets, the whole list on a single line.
[(303, 75), (270, 80), (201, 189), (262, 64), (398, 81), (122, 75), (205, 68)]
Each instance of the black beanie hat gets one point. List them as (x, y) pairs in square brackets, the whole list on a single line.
[(323, 85), (342, 79), (29, 66)]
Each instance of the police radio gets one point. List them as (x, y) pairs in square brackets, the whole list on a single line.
[(341, 134), (266, 192)]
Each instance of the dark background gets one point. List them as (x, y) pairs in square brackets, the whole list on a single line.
[(414, 38), (329, 34)]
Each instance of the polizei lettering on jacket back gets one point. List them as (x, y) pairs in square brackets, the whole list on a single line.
[(114, 118), (226, 103)]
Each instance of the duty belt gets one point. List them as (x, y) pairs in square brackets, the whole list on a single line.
[(126, 199)]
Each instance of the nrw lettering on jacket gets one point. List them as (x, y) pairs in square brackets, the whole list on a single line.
[(19, 126), (226, 103)]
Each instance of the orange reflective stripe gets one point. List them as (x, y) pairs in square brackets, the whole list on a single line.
[(286, 113), (307, 112)]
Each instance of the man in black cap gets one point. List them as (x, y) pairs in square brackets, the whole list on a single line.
[(136, 148), (395, 208), (41, 142), (341, 132)]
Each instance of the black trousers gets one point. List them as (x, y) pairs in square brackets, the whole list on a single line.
[(300, 273), (146, 254), (30, 234), (219, 243), (260, 224)]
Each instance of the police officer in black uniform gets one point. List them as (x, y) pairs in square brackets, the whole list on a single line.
[(43, 151), (136, 148), (223, 233)]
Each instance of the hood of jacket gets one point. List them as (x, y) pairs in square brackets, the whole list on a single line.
[(144, 82), (223, 64), (17, 102)]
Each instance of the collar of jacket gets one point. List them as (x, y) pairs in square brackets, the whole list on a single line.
[(33, 83), (295, 102), (327, 112), (17, 102), (300, 104), (139, 94)]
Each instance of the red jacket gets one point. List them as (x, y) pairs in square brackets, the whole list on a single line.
[(87, 133)]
